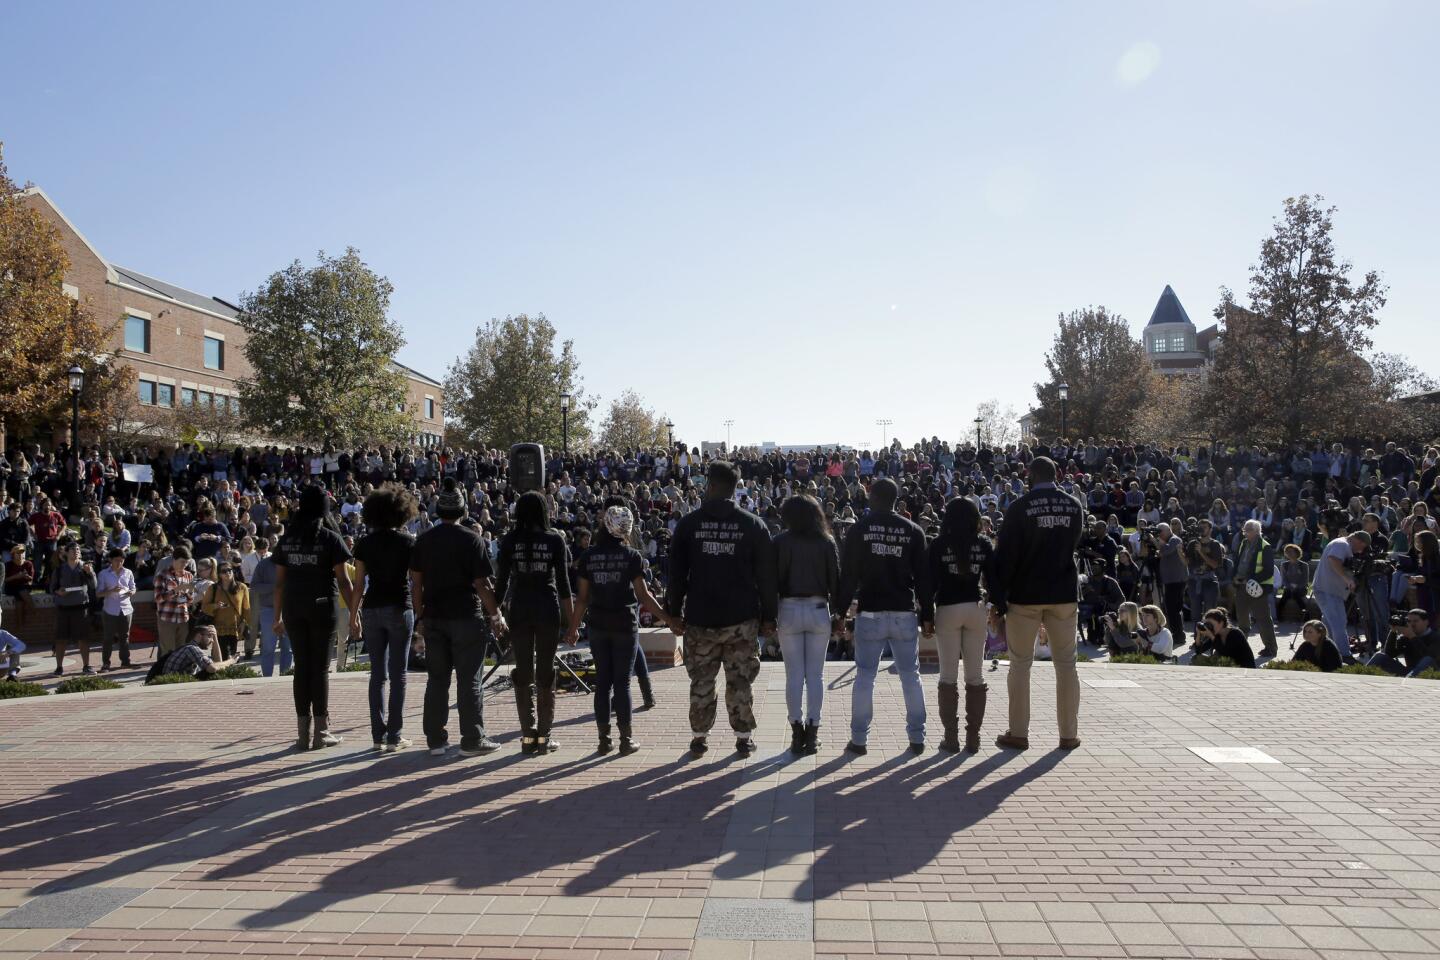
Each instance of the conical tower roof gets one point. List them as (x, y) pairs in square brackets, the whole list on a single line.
[(1168, 309)]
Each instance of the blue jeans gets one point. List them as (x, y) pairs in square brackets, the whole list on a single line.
[(1377, 618), (1332, 612), (387, 633), (268, 643), (804, 631), (1390, 665), (1204, 595), (614, 653), (872, 633)]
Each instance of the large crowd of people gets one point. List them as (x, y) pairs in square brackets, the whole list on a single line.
[(287, 554)]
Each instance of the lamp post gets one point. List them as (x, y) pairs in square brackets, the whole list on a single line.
[(1064, 396), (979, 421), (77, 384), (670, 434), (728, 425), (565, 424), (884, 426)]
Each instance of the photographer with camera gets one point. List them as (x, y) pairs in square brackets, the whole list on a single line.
[(1098, 551), (1134, 629), (1413, 646), (1373, 571), (1147, 556), (1204, 555), (1334, 583), (1214, 636), (1255, 585), (1173, 576), (1100, 595)]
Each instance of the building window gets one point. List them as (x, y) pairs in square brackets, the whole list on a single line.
[(165, 395), (1159, 345), (137, 334), (1177, 344), (235, 406), (214, 353), (207, 400), (429, 408), (187, 396), (147, 392)]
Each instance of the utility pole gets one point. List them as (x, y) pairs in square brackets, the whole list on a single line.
[(884, 426)]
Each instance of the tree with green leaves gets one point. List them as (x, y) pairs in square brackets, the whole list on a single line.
[(320, 343), (1106, 369), (507, 387), (1291, 363), (630, 425)]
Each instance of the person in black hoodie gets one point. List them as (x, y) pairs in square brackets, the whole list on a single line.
[(959, 558), (723, 590), (1035, 583), (1215, 636), (886, 570), (534, 585)]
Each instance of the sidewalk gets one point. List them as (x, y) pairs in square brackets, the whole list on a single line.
[(1209, 813)]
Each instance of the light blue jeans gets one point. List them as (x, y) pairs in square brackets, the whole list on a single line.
[(804, 631), (872, 633), (1332, 612), (268, 643)]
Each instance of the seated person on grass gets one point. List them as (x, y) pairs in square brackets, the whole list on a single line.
[(1318, 648)]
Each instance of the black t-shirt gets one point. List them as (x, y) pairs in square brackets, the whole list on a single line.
[(310, 564), (449, 559), (533, 570), (611, 568), (386, 555), (1324, 655)]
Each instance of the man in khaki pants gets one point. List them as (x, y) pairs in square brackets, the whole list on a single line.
[(1036, 583)]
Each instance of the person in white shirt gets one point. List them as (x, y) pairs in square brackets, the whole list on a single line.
[(115, 586)]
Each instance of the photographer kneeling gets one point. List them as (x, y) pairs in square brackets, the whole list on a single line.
[(1416, 642), (1215, 635), (1135, 629)]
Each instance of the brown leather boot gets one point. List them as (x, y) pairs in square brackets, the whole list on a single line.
[(974, 715), (949, 716)]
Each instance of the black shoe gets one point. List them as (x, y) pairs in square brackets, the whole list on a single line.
[(125, 665), (88, 672), (628, 746), (647, 700), (917, 748), (744, 746), (59, 672), (858, 749), (105, 668), (698, 746), (797, 739), (812, 739), (545, 745), (527, 746), (481, 747)]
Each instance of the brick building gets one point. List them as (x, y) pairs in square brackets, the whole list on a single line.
[(185, 347)]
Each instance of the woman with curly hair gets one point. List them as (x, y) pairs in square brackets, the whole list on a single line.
[(383, 616)]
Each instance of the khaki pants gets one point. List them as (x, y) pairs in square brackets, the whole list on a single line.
[(960, 637), (1022, 623), (171, 636)]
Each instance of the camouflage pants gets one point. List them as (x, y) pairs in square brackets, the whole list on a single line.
[(706, 650)]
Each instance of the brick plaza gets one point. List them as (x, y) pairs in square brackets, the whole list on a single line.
[(152, 822)]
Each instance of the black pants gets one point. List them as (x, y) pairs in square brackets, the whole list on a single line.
[(455, 646), (228, 645), (310, 625), (1175, 609), (533, 643)]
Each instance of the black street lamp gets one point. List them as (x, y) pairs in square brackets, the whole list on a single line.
[(1064, 396), (565, 423), (77, 384), (670, 433), (978, 422)]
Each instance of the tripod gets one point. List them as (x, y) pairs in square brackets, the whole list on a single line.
[(505, 652)]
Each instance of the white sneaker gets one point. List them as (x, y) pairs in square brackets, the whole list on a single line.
[(400, 744), (379, 745), (438, 751)]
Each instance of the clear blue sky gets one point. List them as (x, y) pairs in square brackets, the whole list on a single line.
[(802, 216)]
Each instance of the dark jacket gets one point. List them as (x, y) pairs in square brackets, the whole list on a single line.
[(1035, 558), (955, 581), (533, 568), (886, 567), (806, 566), (722, 567)]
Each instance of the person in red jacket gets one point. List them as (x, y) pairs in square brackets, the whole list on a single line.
[(48, 523)]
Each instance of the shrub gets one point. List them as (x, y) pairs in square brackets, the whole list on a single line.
[(86, 684), (236, 671), (1081, 657), (14, 689), (356, 666), (1140, 658), (1362, 670), (1300, 666), (1213, 662), (165, 679), (1431, 674)]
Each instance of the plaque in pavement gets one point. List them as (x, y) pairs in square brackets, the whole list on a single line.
[(1233, 755), (78, 907), (738, 919)]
